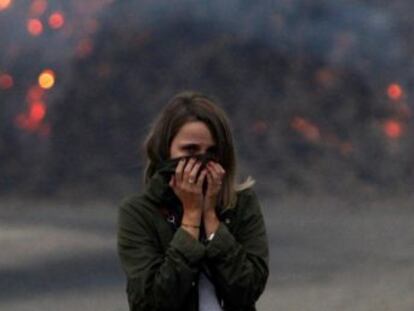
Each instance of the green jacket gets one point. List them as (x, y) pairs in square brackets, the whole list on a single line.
[(162, 261)]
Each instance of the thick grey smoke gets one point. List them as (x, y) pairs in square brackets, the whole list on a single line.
[(320, 68)]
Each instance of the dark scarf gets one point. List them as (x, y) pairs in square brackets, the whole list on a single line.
[(159, 191)]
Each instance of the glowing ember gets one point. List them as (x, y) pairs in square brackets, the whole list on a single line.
[(393, 129), (47, 79), (306, 128), (56, 20), (4, 4), (38, 7), (394, 91), (6, 81), (34, 26)]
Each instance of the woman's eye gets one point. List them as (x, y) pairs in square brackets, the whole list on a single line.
[(190, 149), (212, 151)]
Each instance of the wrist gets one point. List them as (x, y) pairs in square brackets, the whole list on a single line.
[(210, 201), (192, 218), (211, 222), (210, 215), (191, 223)]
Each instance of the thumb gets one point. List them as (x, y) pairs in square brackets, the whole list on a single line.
[(172, 182)]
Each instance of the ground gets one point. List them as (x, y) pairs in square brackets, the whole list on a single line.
[(326, 254)]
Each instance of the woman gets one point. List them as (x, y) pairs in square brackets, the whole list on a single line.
[(193, 239)]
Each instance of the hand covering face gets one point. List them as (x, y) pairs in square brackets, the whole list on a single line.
[(158, 189)]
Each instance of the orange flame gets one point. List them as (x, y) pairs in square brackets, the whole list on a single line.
[(306, 128), (56, 20), (395, 91), (393, 129), (6, 81), (4, 4), (34, 27), (38, 7), (46, 79)]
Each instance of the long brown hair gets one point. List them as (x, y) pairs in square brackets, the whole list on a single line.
[(193, 106)]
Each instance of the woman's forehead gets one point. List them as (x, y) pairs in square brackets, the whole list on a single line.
[(194, 132)]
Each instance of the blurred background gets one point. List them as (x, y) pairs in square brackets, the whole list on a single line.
[(319, 96)]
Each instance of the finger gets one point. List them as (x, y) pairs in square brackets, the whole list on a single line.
[(190, 172), (179, 170), (221, 169), (172, 181), (213, 171), (194, 171), (212, 166), (218, 169), (209, 177), (216, 178), (188, 167), (201, 177)]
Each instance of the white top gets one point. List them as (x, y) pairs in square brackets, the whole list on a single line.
[(207, 295)]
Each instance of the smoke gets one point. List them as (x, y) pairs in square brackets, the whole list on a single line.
[(307, 82)]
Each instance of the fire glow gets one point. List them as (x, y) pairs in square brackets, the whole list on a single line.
[(6, 81), (56, 20), (393, 129), (38, 7), (306, 128), (395, 91), (34, 27), (4, 4), (47, 79), (32, 120), (35, 93), (37, 112)]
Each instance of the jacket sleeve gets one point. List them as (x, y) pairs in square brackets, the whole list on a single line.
[(239, 262), (156, 280)]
